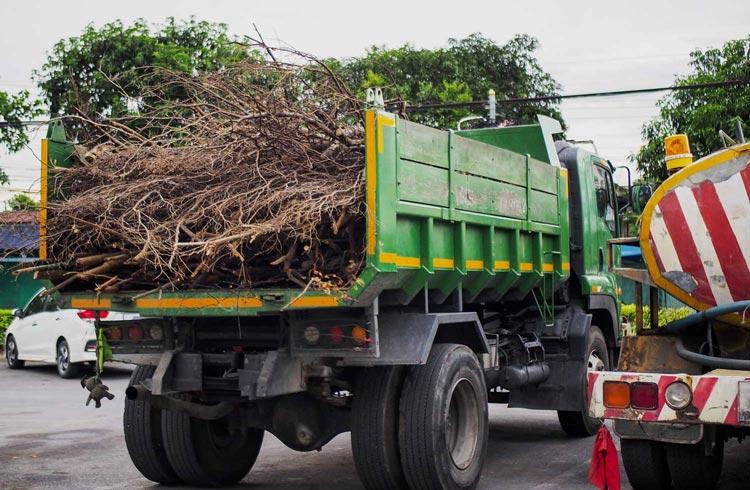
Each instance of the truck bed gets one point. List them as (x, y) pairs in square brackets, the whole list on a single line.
[(483, 212)]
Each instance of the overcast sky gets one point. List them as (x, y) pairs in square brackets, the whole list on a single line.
[(586, 46)]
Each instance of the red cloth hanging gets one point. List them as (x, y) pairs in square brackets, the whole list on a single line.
[(604, 472)]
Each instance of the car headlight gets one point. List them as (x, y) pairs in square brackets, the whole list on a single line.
[(678, 395)]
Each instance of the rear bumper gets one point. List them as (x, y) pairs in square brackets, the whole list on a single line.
[(716, 398)]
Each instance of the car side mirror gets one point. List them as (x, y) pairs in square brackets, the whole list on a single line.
[(641, 195), (18, 313)]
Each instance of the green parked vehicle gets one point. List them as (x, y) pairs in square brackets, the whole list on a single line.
[(485, 282)]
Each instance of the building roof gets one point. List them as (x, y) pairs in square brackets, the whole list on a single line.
[(19, 232), (15, 217)]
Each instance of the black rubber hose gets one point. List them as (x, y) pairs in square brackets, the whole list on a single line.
[(700, 317), (710, 361)]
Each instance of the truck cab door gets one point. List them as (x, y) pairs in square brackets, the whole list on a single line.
[(607, 222)]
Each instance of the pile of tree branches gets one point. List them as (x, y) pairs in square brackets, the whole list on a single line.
[(252, 176)]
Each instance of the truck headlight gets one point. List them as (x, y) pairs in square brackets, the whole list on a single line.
[(678, 395)]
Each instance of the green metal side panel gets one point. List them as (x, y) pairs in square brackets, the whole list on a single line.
[(444, 212), (462, 213), (17, 291)]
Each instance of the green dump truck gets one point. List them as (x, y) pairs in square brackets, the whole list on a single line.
[(485, 282)]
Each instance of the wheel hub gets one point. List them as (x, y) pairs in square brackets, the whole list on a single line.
[(463, 423)]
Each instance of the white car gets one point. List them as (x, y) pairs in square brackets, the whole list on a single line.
[(42, 331)]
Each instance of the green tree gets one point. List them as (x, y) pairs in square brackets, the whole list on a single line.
[(699, 113), (14, 109), (21, 202), (466, 69), (95, 74)]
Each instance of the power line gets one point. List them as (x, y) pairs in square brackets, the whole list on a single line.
[(549, 98)]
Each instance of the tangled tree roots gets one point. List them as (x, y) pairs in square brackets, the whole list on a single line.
[(248, 177)]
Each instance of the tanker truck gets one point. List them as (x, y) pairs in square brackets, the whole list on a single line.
[(485, 281), (682, 390)]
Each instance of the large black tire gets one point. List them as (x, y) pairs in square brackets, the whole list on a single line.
[(11, 354), (143, 437), (205, 452), (375, 428), (65, 368), (691, 468), (578, 423), (443, 425), (645, 464)]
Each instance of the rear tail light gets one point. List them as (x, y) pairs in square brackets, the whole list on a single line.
[(616, 394), (639, 395), (644, 396), (91, 314), (359, 335), (156, 332), (90, 346), (325, 336), (337, 334), (113, 333), (311, 335), (135, 333)]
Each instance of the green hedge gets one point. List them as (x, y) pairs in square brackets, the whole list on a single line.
[(666, 315), (6, 316)]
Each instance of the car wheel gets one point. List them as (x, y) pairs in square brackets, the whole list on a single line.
[(65, 368), (11, 353)]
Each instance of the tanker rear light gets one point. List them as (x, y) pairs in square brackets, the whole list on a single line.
[(616, 394), (644, 395)]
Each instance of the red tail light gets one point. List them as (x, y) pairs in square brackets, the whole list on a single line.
[(135, 333), (91, 314), (644, 396), (337, 334)]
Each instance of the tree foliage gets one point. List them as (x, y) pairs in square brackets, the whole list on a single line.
[(699, 113), (466, 69), (21, 202), (14, 109), (94, 74)]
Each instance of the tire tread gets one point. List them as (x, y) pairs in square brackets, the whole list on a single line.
[(137, 420)]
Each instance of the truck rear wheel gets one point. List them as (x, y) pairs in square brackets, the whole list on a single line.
[(143, 438), (375, 428), (443, 420), (209, 453), (645, 464), (696, 466), (579, 424)]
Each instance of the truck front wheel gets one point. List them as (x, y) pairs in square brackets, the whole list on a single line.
[(579, 424), (209, 453), (443, 420)]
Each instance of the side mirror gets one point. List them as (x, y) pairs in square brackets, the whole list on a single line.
[(641, 195), (18, 313)]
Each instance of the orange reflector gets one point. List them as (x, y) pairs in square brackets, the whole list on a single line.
[(113, 333), (616, 394), (359, 334)]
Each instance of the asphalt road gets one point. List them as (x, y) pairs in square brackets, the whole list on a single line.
[(49, 439)]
